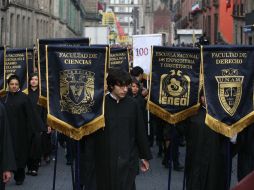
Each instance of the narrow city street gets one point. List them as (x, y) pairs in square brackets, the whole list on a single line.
[(155, 179)]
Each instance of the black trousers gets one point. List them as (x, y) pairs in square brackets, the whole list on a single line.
[(33, 164), (2, 185), (19, 174)]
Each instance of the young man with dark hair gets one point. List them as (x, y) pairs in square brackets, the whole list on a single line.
[(123, 140), (7, 162)]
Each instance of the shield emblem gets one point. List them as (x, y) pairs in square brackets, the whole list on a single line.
[(77, 92), (230, 92)]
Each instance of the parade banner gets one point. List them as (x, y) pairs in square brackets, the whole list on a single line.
[(175, 83), (2, 59), (16, 63), (142, 49), (30, 61), (75, 82), (119, 58), (228, 86), (42, 60)]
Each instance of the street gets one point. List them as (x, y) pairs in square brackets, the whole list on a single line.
[(155, 179)]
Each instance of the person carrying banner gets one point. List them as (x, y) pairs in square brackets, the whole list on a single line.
[(123, 140), (7, 161), (245, 146), (22, 125), (206, 160), (41, 142)]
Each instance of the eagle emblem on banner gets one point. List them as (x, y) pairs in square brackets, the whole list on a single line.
[(230, 89), (76, 91), (175, 89)]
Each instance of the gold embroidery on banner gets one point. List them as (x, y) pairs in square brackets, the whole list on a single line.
[(76, 91), (229, 90), (174, 89)]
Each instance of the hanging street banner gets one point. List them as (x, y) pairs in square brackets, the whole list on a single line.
[(16, 63), (119, 58), (142, 50), (30, 61), (75, 83), (228, 86), (2, 59), (175, 83), (42, 60)]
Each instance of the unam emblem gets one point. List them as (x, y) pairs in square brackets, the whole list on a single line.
[(230, 89), (76, 91)]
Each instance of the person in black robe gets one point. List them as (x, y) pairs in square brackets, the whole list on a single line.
[(41, 138), (206, 164), (123, 141), (87, 164), (7, 160), (22, 119), (245, 147)]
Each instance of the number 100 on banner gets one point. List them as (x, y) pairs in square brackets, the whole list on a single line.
[(142, 49)]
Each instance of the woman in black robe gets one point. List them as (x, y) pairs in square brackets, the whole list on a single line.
[(21, 118), (7, 159), (41, 139)]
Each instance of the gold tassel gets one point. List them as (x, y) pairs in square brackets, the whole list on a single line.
[(42, 101), (229, 130), (169, 117), (76, 133)]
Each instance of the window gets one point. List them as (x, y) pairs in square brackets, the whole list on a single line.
[(11, 30), (2, 31)]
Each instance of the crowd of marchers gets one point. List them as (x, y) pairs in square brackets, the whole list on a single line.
[(112, 157)]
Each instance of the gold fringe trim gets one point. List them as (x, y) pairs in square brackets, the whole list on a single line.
[(75, 133), (3, 93), (42, 101), (169, 117), (229, 130)]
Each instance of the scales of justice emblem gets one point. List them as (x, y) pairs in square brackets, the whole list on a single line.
[(76, 91), (229, 89), (174, 89)]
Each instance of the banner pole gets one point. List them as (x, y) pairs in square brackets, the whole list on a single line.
[(55, 164), (70, 144), (148, 113), (170, 164), (77, 164), (228, 165)]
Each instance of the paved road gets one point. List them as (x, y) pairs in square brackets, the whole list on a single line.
[(155, 179)]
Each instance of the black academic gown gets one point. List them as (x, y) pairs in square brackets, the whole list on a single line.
[(245, 162), (206, 165), (7, 159), (120, 145), (87, 162), (40, 125), (21, 119)]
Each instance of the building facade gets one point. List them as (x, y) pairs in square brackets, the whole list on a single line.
[(214, 17), (23, 21), (243, 14), (123, 12)]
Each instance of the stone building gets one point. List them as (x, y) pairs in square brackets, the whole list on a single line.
[(23, 21)]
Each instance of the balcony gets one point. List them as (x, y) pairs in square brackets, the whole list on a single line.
[(238, 11)]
